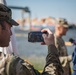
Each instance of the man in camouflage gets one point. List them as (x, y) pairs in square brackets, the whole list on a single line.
[(60, 31), (13, 65)]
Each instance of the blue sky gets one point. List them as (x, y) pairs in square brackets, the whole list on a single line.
[(45, 8)]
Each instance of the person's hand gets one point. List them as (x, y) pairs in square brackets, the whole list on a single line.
[(63, 60), (48, 38)]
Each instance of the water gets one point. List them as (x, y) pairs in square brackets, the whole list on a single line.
[(27, 49), (35, 52)]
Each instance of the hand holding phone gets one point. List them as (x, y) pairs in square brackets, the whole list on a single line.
[(36, 36), (48, 39)]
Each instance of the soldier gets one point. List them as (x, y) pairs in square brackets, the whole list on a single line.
[(61, 30), (13, 65)]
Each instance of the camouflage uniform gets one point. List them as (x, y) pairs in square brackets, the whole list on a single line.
[(16, 66), (63, 52), (13, 65)]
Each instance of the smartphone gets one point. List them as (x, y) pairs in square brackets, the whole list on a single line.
[(36, 36)]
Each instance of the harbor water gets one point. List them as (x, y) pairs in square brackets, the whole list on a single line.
[(35, 52)]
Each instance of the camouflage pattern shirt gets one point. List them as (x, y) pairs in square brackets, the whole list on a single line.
[(62, 50), (17, 66), (59, 42)]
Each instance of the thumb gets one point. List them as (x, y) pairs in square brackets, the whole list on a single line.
[(65, 62), (44, 36)]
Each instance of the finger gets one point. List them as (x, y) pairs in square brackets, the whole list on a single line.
[(51, 36), (43, 30), (43, 43), (47, 30), (65, 62), (44, 36)]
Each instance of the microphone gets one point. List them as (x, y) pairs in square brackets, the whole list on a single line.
[(72, 41)]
